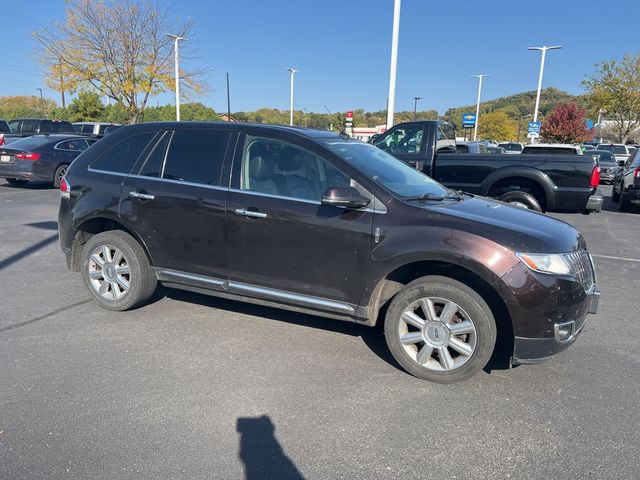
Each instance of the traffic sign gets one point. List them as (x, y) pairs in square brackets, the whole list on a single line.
[(588, 123), (349, 114), (534, 127), (533, 135), (468, 120)]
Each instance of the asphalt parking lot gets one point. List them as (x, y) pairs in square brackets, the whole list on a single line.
[(191, 386)]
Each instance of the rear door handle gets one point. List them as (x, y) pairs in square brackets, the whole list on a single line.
[(250, 213), (142, 196)]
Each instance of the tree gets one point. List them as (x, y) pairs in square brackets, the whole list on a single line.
[(565, 124), (615, 87), (496, 126), (25, 107), (118, 48), (87, 106)]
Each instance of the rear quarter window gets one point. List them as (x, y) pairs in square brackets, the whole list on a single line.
[(122, 156)]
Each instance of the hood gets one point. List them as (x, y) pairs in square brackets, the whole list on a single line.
[(514, 228)]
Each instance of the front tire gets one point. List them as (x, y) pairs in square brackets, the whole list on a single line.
[(116, 271), (439, 329), (16, 182)]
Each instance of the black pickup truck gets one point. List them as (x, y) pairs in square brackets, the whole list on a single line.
[(538, 182), (25, 127)]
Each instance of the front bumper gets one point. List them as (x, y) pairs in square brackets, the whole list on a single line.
[(548, 312), (595, 202)]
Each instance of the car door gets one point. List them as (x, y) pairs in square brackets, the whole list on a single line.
[(284, 245), (176, 201)]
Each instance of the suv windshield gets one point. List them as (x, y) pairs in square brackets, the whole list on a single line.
[(386, 170)]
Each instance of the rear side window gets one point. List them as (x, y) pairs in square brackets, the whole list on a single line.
[(14, 125), (29, 126), (121, 157), (4, 127), (73, 145), (87, 129), (196, 156)]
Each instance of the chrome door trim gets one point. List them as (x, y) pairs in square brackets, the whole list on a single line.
[(297, 298), (244, 289)]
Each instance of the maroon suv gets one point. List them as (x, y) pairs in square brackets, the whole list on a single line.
[(317, 223)]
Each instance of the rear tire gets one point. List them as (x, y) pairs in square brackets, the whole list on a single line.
[(59, 174), (116, 271), (440, 330), (16, 182), (521, 199)]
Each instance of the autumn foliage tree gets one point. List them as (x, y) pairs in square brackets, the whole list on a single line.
[(496, 126), (117, 48), (565, 124)]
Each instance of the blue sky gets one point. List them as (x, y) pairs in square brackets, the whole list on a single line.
[(342, 49)]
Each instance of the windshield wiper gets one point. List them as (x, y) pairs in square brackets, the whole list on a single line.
[(436, 198)]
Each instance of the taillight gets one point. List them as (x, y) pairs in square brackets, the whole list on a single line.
[(636, 173), (28, 156), (1, 138), (595, 177), (65, 188)]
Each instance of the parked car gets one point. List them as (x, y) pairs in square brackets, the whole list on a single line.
[(608, 164), (496, 150), (538, 182), (552, 149), (4, 129), (91, 128), (626, 183), (619, 150), (511, 147), (40, 157), (315, 222)]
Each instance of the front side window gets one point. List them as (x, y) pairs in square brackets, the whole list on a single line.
[(279, 168), (196, 156), (122, 156), (29, 126), (402, 140), (386, 170), (14, 126)]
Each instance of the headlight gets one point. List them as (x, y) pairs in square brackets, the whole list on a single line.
[(554, 263)]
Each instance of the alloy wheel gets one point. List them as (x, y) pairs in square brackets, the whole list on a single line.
[(109, 272), (437, 334)]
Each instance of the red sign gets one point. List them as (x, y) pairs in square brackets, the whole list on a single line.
[(349, 114)]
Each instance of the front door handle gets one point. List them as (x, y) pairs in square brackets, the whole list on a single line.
[(250, 213), (142, 196)]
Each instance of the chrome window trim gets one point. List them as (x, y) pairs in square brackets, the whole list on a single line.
[(304, 200), (157, 179)]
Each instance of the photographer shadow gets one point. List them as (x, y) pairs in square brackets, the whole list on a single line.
[(261, 452)]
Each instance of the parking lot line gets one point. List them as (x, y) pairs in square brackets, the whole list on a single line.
[(616, 258)]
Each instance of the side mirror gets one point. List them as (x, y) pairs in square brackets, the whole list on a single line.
[(347, 197), (621, 163)]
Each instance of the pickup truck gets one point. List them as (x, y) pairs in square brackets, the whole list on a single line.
[(25, 127), (535, 181)]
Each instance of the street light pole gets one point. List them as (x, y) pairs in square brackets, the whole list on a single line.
[(543, 49), (176, 39), (415, 106), (293, 72), (41, 102), (480, 77), (391, 102)]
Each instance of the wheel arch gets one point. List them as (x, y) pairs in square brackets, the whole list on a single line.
[(98, 224), (529, 175), (402, 275)]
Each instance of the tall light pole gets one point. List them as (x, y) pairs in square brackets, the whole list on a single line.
[(415, 106), (394, 63), (543, 49), (41, 102), (176, 39), (480, 77), (293, 72)]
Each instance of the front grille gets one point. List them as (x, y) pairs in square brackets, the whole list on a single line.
[(582, 268)]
